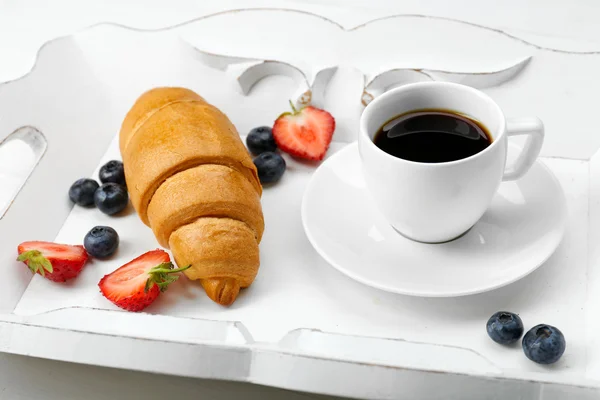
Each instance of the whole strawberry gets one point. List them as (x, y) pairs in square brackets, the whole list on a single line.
[(53, 261), (304, 133), (136, 285)]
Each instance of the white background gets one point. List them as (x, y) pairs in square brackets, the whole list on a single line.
[(26, 24)]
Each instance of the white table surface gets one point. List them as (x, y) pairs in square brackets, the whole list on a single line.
[(26, 24)]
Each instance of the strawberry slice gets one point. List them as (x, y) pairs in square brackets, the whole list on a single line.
[(136, 285), (304, 133), (53, 261)]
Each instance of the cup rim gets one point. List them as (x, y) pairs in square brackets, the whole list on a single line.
[(383, 97)]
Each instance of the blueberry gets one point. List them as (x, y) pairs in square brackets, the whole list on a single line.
[(111, 198), (505, 327), (260, 140), (113, 172), (82, 191), (101, 241), (270, 166), (544, 344)]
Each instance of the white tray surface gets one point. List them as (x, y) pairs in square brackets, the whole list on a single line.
[(77, 96)]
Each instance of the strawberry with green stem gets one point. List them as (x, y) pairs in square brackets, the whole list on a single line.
[(53, 261), (136, 285), (304, 133)]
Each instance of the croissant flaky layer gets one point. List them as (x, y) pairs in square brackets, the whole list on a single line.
[(147, 104), (216, 191), (178, 137), (214, 245), (192, 181)]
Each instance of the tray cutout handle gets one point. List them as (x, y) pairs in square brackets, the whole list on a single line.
[(20, 153), (390, 352)]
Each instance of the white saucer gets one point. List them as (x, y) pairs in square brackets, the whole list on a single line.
[(521, 229)]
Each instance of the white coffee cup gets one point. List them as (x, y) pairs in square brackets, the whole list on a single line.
[(438, 202)]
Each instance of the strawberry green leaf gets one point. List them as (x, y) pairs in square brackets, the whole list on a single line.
[(162, 276), (294, 111), (284, 114), (36, 262), (46, 264)]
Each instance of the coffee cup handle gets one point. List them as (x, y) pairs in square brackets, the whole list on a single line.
[(534, 129)]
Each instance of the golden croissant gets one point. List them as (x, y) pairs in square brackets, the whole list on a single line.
[(192, 181)]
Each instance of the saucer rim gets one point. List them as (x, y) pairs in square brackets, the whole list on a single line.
[(561, 224)]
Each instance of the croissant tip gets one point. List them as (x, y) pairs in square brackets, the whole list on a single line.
[(222, 291)]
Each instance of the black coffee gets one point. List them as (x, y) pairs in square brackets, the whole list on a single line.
[(432, 136)]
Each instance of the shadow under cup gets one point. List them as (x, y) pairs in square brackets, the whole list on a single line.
[(433, 202)]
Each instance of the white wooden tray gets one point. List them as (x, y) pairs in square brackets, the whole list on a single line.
[(301, 325)]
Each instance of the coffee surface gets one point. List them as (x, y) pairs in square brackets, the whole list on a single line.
[(432, 136)]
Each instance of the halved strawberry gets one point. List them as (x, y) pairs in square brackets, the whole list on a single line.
[(304, 133), (56, 262), (135, 285)]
